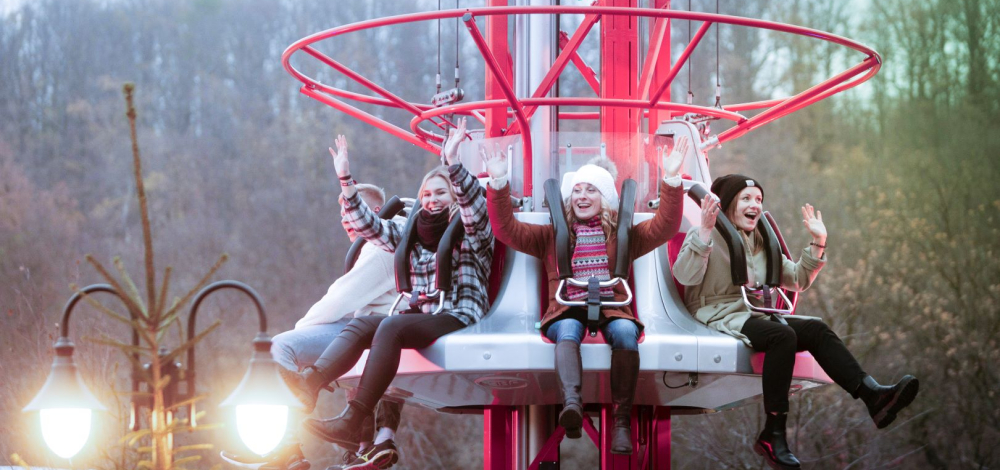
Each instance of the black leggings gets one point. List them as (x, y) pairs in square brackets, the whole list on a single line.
[(386, 337), (780, 343)]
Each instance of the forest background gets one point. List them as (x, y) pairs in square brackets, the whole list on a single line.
[(904, 168)]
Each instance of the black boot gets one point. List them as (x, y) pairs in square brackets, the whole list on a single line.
[(354, 425), (305, 385), (773, 445), (624, 375), (569, 369), (884, 402)]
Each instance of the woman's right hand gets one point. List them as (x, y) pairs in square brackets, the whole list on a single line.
[(340, 162), (709, 212), (496, 164)]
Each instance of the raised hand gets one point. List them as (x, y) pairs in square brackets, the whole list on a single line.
[(340, 162), (709, 212), (813, 221), (496, 164), (671, 163), (455, 137)]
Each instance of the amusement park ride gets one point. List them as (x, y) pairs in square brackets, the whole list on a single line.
[(502, 367)]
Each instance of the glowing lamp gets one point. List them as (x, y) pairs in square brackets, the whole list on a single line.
[(65, 405), (262, 400)]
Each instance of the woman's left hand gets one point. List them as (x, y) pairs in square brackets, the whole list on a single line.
[(455, 137), (672, 163), (813, 220)]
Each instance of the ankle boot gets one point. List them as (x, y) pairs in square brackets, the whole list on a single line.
[(305, 385), (569, 370), (772, 443), (884, 402), (355, 424), (624, 375)]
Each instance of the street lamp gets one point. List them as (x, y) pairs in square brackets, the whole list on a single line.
[(64, 403), (262, 399)]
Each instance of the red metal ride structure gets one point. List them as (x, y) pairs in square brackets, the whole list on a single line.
[(522, 106)]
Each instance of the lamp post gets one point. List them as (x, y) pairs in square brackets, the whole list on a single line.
[(262, 399)]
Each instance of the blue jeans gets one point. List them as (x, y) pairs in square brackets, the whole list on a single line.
[(619, 333), (296, 349)]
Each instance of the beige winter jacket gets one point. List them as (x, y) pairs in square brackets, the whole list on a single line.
[(710, 293)]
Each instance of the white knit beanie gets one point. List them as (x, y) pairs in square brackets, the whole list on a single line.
[(597, 176)]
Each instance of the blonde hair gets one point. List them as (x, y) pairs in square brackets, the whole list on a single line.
[(439, 172), (609, 219), (755, 244), (371, 194)]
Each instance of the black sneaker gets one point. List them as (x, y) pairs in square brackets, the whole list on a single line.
[(376, 457), (286, 457)]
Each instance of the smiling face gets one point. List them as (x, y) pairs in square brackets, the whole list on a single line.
[(585, 200), (435, 195), (746, 208)]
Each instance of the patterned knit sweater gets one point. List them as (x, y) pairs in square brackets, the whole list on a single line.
[(590, 258)]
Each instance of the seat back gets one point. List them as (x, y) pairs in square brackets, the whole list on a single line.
[(451, 237), (737, 256)]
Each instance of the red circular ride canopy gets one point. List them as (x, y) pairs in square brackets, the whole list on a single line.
[(652, 96)]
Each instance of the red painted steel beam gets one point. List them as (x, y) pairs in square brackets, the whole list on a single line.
[(796, 102), (508, 92), (369, 119), (680, 62), (497, 120), (499, 438), (568, 52), (619, 79), (550, 451), (656, 39), (466, 108), (586, 71), (399, 102)]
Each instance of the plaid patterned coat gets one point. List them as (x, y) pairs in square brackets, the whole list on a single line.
[(471, 260)]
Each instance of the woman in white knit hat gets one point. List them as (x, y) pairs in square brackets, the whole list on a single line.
[(592, 215)]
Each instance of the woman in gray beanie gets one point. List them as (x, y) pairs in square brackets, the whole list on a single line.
[(717, 303)]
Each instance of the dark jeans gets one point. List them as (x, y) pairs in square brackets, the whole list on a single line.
[(780, 343), (386, 337)]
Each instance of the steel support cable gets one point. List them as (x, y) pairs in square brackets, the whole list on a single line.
[(438, 78), (690, 93), (718, 78)]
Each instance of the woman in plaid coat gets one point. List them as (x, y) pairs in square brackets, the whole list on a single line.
[(446, 192)]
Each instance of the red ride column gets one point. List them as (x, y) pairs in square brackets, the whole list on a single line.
[(619, 80)]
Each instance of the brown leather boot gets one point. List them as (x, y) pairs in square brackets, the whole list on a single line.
[(624, 375), (569, 369), (354, 425)]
